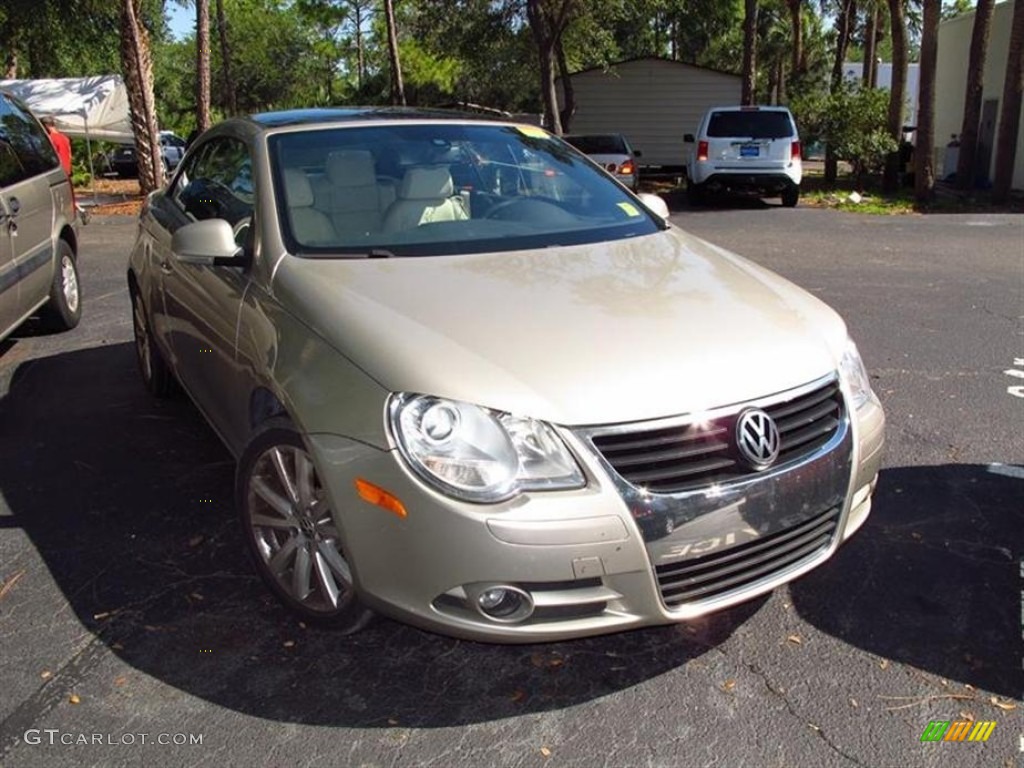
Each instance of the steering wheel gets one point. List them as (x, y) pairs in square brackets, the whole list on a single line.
[(537, 203)]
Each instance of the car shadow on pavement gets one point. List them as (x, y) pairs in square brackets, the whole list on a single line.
[(127, 500), (934, 579)]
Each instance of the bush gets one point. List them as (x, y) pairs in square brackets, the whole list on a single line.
[(851, 120)]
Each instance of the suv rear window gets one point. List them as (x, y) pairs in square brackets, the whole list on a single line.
[(598, 145), (754, 125)]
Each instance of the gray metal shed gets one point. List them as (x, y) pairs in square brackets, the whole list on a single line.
[(652, 101)]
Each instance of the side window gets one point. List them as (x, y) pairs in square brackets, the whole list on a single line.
[(11, 170), (27, 138), (217, 183)]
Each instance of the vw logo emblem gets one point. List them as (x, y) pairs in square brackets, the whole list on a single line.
[(757, 438)]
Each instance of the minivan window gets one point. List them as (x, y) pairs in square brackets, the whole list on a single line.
[(752, 125), (27, 138)]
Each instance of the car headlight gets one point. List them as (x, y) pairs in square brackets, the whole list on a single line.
[(856, 375), (477, 454)]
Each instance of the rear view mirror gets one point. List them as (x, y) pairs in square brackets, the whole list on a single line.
[(208, 243), (654, 204)]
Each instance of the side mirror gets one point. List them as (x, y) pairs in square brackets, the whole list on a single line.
[(208, 243), (637, 153), (688, 138), (654, 204)]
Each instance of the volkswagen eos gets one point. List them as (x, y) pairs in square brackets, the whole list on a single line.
[(473, 383)]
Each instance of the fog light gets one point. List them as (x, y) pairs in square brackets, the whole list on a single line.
[(504, 603)]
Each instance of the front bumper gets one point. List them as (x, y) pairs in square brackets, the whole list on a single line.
[(586, 558)]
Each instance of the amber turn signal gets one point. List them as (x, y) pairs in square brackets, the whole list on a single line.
[(378, 496)]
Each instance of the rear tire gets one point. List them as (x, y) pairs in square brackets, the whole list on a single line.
[(790, 196), (156, 376), (64, 309)]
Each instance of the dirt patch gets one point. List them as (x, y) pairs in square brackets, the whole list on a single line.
[(113, 197)]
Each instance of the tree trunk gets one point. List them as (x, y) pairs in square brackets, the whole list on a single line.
[(749, 52), (797, 35), (202, 64), (870, 32), (898, 26), (568, 91), (230, 99), (137, 67), (360, 56), (924, 154), (844, 24), (1009, 119), (397, 88), (972, 95), (548, 19)]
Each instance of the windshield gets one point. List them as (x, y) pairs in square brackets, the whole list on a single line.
[(599, 145), (423, 189), (753, 125)]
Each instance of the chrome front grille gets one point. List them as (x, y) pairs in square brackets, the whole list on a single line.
[(684, 456), (732, 569)]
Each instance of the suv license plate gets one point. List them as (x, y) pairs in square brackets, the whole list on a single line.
[(750, 150)]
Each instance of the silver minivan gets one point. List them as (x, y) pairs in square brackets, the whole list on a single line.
[(38, 228)]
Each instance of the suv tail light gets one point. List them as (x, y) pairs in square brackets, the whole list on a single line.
[(794, 150), (702, 150)]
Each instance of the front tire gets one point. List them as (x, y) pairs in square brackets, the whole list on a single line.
[(290, 531), (64, 309)]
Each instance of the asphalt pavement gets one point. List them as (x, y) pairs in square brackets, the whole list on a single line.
[(133, 632)]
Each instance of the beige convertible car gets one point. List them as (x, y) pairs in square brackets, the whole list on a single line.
[(474, 383)]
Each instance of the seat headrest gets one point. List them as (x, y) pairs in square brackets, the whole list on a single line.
[(297, 189), (426, 183), (350, 168)]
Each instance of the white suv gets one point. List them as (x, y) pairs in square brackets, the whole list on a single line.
[(745, 149)]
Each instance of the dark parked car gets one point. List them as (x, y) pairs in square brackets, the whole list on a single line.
[(124, 163)]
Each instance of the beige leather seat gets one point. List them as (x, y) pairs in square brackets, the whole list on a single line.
[(425, 196), (349, 193), (309, 226)]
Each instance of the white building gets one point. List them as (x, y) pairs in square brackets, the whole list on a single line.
[(951, 80), (653, 102), (853, 70)]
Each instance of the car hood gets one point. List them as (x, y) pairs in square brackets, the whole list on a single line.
[(635, 329)]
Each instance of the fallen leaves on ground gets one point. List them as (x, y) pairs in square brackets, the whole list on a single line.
[(74, 698), (728, 685), (795, 639), (8, 584)]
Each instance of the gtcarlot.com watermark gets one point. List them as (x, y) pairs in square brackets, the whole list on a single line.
[(55, 736)]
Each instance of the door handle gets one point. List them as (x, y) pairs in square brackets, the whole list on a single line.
[(15, 205)]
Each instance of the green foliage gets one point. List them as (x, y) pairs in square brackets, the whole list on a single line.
[(852, 121)]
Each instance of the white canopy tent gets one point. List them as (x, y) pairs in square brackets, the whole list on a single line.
[(82, 107)]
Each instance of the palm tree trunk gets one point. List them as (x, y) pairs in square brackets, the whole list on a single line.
[(137, 66), (397, 88), (972, 95), (203, 64), (924, 155), (749, 52), (1009, 119), (870, 34), (797, 36), (230, 99), (898, 26)]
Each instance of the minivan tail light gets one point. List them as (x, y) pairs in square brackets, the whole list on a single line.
[(794, 150), (702, 150)]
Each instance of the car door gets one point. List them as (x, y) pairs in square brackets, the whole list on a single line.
[(201, 304), (10, 168), (28, 204)]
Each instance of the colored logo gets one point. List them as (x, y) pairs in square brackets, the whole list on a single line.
[(958, 730)]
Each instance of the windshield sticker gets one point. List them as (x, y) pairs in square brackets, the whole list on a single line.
[(630, 209), (533, 131)]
